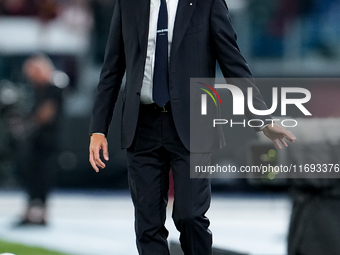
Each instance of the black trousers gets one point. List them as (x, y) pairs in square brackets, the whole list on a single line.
[(314, 224), (37, 169), (157, 148)]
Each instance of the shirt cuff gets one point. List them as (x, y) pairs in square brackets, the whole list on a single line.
[(261, 128), (97, 134)]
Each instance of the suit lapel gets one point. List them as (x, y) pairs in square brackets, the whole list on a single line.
[(143, 16), (185, 10)]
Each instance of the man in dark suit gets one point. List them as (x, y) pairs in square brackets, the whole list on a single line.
[(160, 45)]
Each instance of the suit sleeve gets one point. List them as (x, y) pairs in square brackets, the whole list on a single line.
[(233, 65), (111, 76)]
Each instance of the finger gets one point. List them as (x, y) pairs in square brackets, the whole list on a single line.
[(283, 142), (277, 144), (105, 152), (290, 137), (97, 159), (93, 164), (99, 162)]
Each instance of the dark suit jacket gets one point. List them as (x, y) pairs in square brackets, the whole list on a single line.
[(203, 34)]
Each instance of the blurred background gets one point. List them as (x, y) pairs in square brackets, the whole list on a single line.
[(279, 39)]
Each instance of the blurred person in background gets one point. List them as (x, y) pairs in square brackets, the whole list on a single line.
[(311, 15), (40, 138), (77, 16), (314, 226), (17, 8), (44, 9)]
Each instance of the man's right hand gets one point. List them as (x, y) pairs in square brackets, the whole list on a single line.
[(98, 142)]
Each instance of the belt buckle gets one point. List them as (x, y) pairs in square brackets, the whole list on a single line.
[(163, 109)]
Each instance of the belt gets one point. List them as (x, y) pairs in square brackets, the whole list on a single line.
[(155, 108)]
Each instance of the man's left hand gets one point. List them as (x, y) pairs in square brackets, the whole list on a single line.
[(278, 135)]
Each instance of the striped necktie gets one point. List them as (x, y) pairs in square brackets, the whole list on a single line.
[(161, 77)]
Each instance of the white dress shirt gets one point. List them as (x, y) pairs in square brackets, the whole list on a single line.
[(146, 92)]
